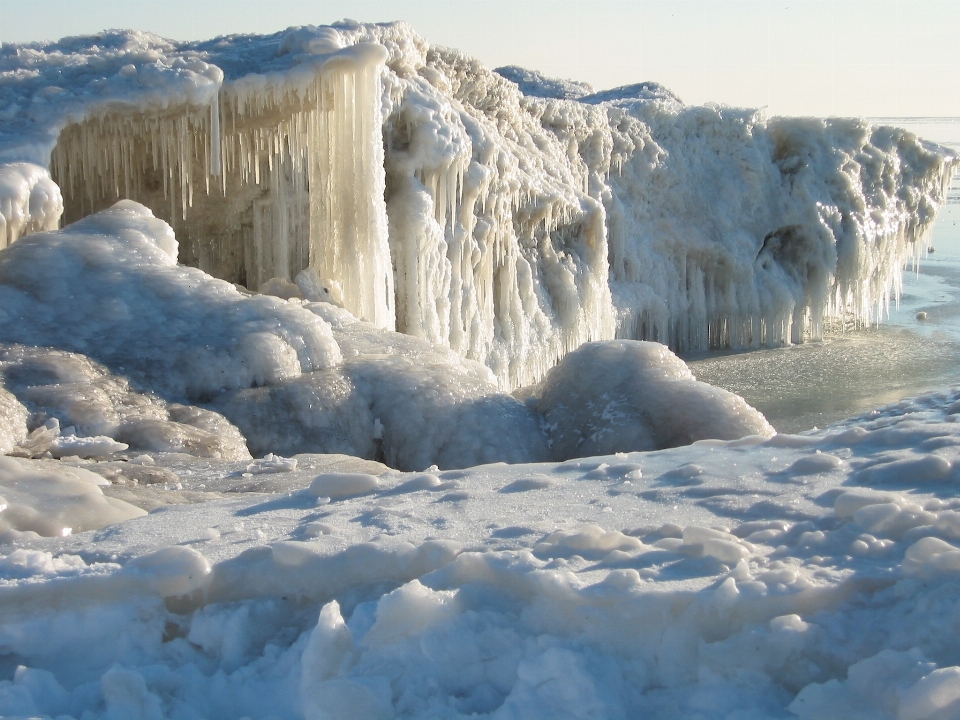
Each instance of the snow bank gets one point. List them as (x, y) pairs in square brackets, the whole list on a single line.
[(750, 578)]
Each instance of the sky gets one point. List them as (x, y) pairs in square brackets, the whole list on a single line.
[(874, 58)]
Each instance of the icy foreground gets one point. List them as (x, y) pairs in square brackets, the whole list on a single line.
[(508, 217), (812, 576)]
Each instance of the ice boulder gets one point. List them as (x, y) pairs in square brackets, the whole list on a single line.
[(109, 287), (13, 421), (626, 395)]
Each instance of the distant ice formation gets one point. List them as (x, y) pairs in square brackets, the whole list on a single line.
[(509, 221)]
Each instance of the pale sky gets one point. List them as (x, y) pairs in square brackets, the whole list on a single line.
[(877, 58)]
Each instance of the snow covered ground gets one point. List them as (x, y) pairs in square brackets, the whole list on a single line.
[(218, 503), (813, 576)]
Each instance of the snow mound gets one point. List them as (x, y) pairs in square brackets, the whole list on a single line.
[(109, 287), (29, 201), (57, 389), (626, 395)]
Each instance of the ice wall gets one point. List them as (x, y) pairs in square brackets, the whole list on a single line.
[(628, 213), (430, 194), (262, 177)]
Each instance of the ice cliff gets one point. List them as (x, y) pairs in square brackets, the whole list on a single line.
[(427, 194)]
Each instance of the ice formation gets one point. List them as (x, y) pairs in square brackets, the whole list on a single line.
[(513, 227), (110, 287), (155, 356), (29, 201), (151, 568), (609, 397)]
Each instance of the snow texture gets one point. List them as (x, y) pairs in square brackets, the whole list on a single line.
[(287, 377), (109, 287), (782, 577), (625, 395)]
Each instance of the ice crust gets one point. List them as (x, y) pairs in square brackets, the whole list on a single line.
[(514, 226), (769, 578)]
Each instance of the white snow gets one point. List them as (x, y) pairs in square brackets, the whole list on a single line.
[(696, 565), (723, 577), (287, 377), (109, 287), (626, 395)]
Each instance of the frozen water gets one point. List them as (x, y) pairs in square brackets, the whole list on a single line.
[(625, 395), (868, 367), (109, 287), (774, 577)]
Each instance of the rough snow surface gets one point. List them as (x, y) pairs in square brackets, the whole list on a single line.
[(811, 576), (109, 287)]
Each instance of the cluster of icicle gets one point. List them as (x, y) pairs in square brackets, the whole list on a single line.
[(430, 195)]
